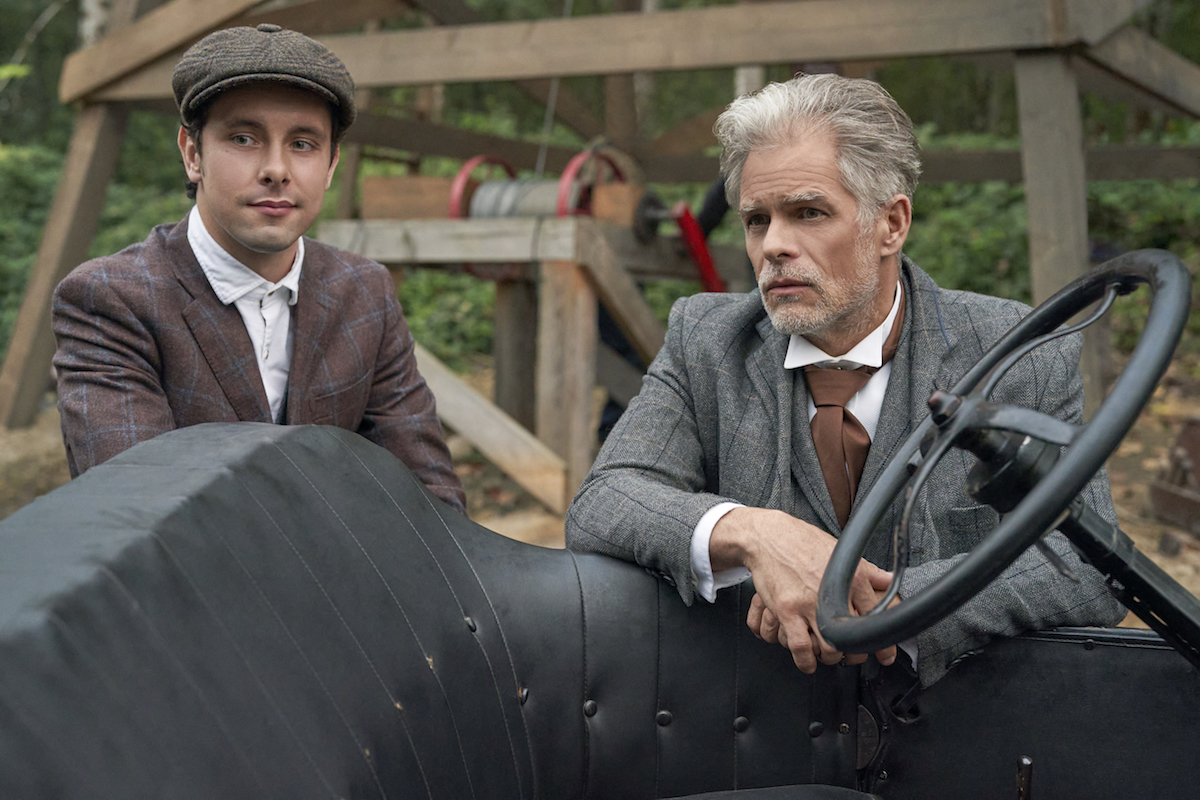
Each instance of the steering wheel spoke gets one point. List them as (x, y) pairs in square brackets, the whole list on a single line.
[(1026, 421)]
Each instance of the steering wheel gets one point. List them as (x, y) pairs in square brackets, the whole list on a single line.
[(964, 418)]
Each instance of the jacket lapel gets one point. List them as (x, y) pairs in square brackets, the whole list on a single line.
[(310, 317), (220, 334)]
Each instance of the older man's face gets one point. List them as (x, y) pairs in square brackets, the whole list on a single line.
[(819, 270)]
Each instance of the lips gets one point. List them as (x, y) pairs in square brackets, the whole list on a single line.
[(273, 208)]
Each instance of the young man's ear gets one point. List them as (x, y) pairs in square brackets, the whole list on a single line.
[(190, 152)]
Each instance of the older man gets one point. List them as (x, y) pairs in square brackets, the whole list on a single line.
[(231, 314), (766, 415)]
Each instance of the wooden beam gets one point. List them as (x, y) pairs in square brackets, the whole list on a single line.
[(1055, 191), (622, 380), (500, 438), (432, 243), (155, 34), (619, 293), (435, 241), (1141, 60), (428, 138), (78, 201), (566, 366), (721, 36), (514, 349)]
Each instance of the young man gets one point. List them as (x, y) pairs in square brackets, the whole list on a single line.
[(755, 430), (232, 314)]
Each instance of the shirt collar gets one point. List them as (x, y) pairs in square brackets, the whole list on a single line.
[(230, 278), (867, 353)]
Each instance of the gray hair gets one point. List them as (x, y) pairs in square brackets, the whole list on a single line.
[(878, 154)]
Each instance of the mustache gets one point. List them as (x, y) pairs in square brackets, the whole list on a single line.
[(772, 272)]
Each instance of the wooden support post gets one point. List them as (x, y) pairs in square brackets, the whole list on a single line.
[(78, 201), (566, 366), (1052, 160), (515, 349), (350, 161)]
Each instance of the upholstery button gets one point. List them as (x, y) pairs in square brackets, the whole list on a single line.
[(741, 724), (590, 708), (663, 718), (267, 27), (471, 624), (523, 695), (816, 729), (844, 728)]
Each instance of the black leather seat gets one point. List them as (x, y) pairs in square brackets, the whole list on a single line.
[(265, 611)]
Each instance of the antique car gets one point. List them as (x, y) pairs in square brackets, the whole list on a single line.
[(251, 610)]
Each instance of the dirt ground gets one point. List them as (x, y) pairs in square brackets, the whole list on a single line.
[(32, 463)]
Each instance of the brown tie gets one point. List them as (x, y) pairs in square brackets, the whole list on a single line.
[(841, 440)]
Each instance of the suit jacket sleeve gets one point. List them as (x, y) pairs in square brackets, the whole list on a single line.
[(647, 490), (109, 393), (401, 414), (1030, 594)]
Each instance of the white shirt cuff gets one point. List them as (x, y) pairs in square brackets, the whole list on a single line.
[(708, 584)]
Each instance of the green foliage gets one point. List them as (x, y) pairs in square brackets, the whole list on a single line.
[(973, 237), (10, 71), (27, 179), (29, 109), (450, 314)]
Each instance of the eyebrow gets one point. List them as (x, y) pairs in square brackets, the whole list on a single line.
[(803, 197), (304, 130)]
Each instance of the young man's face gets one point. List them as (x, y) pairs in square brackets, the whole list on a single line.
[(822, 274), (266, 159)]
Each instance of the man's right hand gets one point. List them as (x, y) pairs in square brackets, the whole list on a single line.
[(787, 558)]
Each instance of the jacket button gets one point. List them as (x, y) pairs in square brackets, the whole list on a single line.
[(663, 718), (590, 708), (741, 724)]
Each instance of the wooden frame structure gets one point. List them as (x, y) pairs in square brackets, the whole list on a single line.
[(1055, 47)]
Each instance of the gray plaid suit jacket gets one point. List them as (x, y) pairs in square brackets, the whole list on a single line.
[(145, 346), (719, 418)]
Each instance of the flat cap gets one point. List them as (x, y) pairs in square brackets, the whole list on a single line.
[(235, 56)]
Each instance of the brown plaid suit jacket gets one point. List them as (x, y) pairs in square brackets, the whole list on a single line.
[(145, 346)]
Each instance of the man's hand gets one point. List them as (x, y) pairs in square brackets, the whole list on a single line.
[(787, 558)]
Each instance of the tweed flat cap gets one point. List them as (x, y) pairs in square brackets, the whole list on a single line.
[(235, 56)]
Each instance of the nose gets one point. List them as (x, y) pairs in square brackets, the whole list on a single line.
[(778, 242), (274, 167)]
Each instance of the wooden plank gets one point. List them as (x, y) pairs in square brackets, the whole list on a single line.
[(566, 366), (157, 33), (521, 239), (721, 36), (406, 197), (78, 201), (514, 349), (1143, 61), (618, 291), (1055, 192), (433, 241), (501, 439), (622, 380), (428, 138)]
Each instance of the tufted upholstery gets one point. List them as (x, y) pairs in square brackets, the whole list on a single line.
[(268, 611)]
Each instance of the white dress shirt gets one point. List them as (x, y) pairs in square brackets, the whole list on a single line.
[(265, 307), (865, 405)]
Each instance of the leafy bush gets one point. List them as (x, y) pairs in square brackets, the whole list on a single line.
[(28, 176), (450, 314)]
